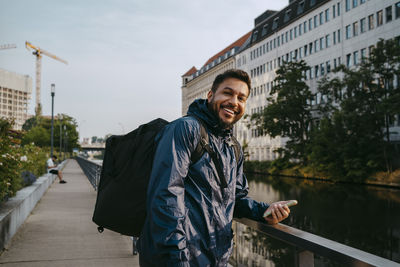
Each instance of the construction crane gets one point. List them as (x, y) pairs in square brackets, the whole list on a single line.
[(7, 46), (38, 53)]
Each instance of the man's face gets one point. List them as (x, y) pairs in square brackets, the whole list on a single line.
[(229, 101)]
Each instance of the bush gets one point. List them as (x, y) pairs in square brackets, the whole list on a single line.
[(16, 160)]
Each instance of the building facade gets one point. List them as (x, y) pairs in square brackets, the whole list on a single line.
[(197, 83), (15, 92), (323, 33)]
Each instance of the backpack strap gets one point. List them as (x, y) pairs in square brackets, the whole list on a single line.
[(236, 148), (204, 144)]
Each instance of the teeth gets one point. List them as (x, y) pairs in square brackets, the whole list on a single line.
[(229, 111)]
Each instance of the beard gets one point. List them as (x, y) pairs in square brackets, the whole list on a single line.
[(212, 106)]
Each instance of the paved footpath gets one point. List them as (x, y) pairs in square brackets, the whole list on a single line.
[(60, 231)]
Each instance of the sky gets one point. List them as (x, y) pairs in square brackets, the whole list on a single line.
[(125, 57)]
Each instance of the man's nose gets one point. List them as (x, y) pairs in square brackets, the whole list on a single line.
[(234, 100)]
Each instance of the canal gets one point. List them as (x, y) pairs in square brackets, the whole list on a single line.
[(363, 217)]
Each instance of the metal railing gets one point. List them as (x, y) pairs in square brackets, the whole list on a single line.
[(307, 245), (91, 169)]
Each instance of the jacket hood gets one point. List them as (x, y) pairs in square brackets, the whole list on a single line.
[(199, 108)]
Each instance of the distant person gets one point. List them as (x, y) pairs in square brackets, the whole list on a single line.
[(52, 168), (190, 206)]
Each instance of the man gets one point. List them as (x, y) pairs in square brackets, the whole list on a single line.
[(189, 213), (53, 169)]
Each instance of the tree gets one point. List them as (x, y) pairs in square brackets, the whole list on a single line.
[(289, 112), (39, 130), (354, 131)]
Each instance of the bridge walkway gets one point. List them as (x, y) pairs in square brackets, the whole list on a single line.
[(60, 232)]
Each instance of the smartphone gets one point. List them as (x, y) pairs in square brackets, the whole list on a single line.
[(289, 204)]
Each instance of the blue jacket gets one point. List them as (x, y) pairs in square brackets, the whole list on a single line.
[(189, 216)]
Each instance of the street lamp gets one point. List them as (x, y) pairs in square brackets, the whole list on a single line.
[(65, 139), (60, 117), (53, 88)]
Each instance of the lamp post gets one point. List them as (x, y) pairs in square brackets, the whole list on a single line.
[(60, 117), (65, 138), (52, 117)]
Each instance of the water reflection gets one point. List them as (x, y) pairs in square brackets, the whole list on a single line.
[(364, 217)]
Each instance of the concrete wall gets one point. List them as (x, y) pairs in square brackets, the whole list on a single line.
[(14, 212)]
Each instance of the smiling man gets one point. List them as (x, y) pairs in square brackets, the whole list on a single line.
[(189, 209)]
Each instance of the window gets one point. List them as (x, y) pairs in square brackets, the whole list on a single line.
[(316, 69), (362, 2), (283, 38), (371, 22), (334, 38), (312, 2), (333, 11), (355, 28), (348, 60), (327, 15), (310, 48), (295, 32), (328, 66), (287, 15), (379, 18), (315, 21), (363, 54), (291, 34), (321, 43), (310, 24), (316, 46), (397, 10), (338, 9), (322, 68), (305, 26), (300, 7), (255, 35), (300, 29), (334, 63), (275, 23), (355, 3), (279, 40), (388, 14), (348, 31), (305, 50), (347, 5), (300, 52), (264, 30), (321, 18), (286, 37), (362, 25), (327, 41), (355, 57)]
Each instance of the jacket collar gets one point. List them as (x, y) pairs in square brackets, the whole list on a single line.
[(199, 108)]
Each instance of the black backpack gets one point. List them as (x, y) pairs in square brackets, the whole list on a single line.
[(125, 174)]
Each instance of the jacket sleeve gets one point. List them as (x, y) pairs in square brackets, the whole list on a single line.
[(244, 205), (166, 193)]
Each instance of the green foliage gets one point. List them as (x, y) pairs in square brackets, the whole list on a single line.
[(14, 159), (39, 132), (351, 140), (10, 179), (289, 111)]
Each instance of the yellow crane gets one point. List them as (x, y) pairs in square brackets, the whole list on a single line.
[(38, 53)]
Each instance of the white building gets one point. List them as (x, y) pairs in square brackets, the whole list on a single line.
[(324, 33), (197, 83), (15, 91)]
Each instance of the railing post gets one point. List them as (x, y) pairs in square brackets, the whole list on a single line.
[(304, 258)]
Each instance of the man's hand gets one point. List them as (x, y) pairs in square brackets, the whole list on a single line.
[(278, 212)]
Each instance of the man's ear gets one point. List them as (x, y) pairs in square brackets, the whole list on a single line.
[(209, 95)]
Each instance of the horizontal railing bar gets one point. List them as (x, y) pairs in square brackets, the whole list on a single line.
[(319, 245)]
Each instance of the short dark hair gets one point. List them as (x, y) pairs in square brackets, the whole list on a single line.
[(54, 156), (232, 73)]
